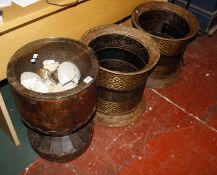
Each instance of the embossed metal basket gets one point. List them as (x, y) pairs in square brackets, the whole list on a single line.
[(126, 55), (172, 27)]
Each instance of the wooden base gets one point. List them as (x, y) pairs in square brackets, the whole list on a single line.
[(62, 149)]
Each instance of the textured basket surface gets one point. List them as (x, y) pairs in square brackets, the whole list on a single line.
[(172, 27), (126, 56)]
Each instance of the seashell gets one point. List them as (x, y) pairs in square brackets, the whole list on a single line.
[(52, 76), (69, 85), (40, 86), (55, 88), (49, 83), (28, 79), (42, 73), (46, 62), (67, 72), (50, 65)]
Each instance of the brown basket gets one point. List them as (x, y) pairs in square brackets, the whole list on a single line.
[(172, 27), (55, 113), (60, 123), (126, 55)]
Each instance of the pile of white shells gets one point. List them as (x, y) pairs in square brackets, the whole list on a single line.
[(53, 77)]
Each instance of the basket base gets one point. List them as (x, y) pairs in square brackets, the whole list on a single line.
[(63, 148), (156, 83), (122, 119)]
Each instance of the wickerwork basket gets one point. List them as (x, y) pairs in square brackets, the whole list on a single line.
[(172, 27), (126, 56)]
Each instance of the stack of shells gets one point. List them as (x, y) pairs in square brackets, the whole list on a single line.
[(53, 77)]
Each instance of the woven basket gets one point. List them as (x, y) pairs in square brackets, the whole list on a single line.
[(172, 27), (126, 56)]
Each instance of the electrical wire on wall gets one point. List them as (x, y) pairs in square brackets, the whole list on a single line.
[(75, 3)]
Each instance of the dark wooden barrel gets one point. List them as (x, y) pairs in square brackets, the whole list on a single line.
[(53, 117)]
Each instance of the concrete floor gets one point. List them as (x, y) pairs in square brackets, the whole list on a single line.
[(177, 134)]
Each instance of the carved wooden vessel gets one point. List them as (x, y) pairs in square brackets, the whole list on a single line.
[(60, 126)]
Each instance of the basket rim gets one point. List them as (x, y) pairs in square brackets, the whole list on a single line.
[(158, 5), (133, 33)]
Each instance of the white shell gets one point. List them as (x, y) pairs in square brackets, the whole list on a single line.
[(46, 62), (53, 87), (50, 65), (28, 79), (67, 72), (56, 88), (69, 85), (40, 86)]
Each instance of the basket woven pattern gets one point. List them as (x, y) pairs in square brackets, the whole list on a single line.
[(116, 108), (121, 119), (121, 82), (169, 48), (172, 28), (165, 71), (122, 77), (114, 103)]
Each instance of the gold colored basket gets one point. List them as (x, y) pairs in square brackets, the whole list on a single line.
[(172, 27), (126, 56)]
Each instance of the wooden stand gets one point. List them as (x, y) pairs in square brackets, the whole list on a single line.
[(62, 148)]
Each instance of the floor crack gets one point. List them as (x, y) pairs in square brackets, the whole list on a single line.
[(184, 110)]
